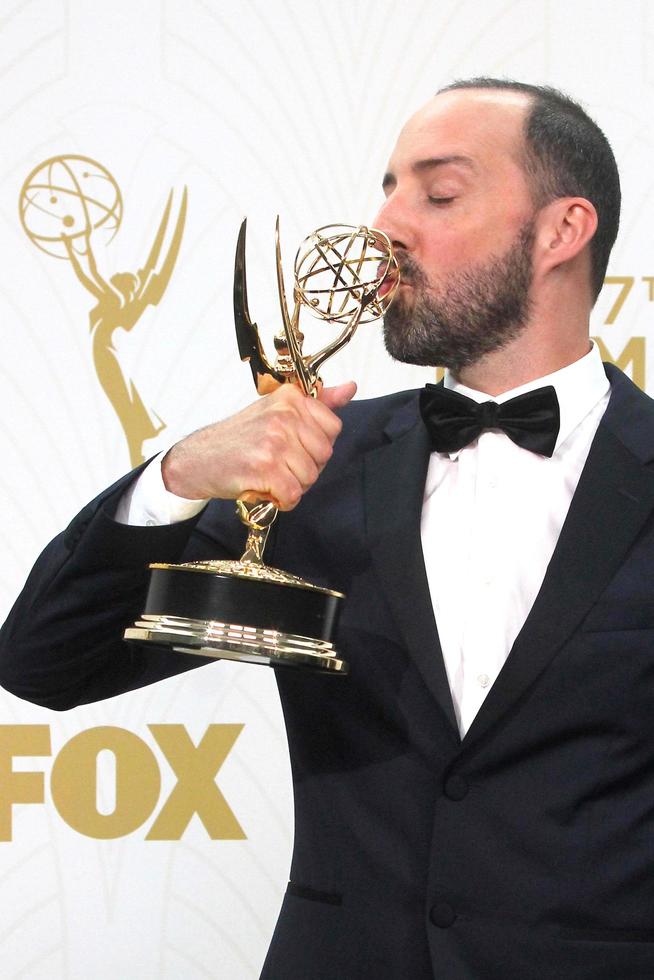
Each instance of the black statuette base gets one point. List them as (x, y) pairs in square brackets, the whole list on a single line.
[(223, 616)]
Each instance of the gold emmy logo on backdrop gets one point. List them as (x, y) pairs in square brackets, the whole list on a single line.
[(69, 203)]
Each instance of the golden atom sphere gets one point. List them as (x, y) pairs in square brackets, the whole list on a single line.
[(69, 196), (340, 266)]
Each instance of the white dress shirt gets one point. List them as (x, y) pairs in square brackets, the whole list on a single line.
[(491, 516), (147, 503)]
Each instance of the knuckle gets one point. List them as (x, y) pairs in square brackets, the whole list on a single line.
[(289, 394), (328, 421), (311, 475), (275, 437), (282, 419), (295, 496), (337, 424), (326, 454), (273, 456), (290, 499), (265, 458)]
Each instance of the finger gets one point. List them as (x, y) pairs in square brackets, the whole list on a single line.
[(320, 414), (301, 465), (282, 471), (289, 412), (338, 396), (288, 489), (316, 442)]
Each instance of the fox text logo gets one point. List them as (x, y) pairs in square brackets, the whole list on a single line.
[(137, 780)]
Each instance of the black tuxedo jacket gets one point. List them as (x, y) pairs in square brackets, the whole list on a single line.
[(523, 852)]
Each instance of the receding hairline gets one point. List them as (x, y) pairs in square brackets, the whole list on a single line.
[(500, 96), (490, 93), (566, 154)]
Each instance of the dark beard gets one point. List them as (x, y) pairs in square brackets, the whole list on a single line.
[(483, 309)]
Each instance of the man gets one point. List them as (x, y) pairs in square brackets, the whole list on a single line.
[(473, 802)]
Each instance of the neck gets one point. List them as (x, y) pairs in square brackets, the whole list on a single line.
[(552, 339), (494, 374)]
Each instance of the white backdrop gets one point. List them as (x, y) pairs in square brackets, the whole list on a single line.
[(258, 107)]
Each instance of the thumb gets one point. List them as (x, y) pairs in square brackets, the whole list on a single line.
[(339, 395)]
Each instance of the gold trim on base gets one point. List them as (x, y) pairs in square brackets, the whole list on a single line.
[(249, 570), (222, 641)]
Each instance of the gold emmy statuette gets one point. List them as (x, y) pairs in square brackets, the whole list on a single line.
[(67, 204), (245, 610)]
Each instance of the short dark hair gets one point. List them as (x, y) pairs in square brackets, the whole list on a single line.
[(567, 155)]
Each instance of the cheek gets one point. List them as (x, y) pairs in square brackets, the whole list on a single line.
[(447, 252), (460, 242)]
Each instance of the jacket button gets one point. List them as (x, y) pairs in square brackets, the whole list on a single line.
[(442, 915), (456, 788)]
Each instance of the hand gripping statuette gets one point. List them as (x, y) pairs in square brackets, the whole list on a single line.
[(246, 610)]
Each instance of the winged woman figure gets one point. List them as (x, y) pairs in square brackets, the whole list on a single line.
[(120, 304)]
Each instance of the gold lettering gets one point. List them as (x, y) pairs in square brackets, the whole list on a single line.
[(626, 282), (20, 787), (196, 790), (632, 354), (74, 780)]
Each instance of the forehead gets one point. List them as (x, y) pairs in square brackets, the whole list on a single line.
[(484, 126)]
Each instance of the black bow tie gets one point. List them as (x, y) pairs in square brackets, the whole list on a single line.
[(453, 421)]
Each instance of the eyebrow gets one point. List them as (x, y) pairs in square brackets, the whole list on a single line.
[(431, 163)]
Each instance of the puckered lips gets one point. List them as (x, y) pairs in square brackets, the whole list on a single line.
[(388, 282)]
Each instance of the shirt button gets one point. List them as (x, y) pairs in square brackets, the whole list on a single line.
[(456, 788), (150, 523), (442, 915), (483, 680)]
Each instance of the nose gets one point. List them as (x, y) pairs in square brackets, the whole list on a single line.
[(393, 219)]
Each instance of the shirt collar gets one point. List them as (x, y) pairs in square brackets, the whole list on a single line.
[(579, 387)]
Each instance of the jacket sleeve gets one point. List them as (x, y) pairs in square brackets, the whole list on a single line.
[(62, 642)]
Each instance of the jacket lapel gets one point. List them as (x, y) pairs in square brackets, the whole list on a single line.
[(396, 472), (614, 497)]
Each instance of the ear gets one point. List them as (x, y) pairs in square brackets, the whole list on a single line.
[(565, 227)]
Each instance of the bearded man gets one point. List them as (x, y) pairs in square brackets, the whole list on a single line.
[(474, 801)]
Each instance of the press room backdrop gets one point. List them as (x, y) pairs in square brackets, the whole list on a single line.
[(161, 867)]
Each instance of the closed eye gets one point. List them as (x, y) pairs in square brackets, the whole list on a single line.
[(440, 200)]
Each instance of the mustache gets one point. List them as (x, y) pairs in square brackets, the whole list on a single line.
[(410, 271)]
